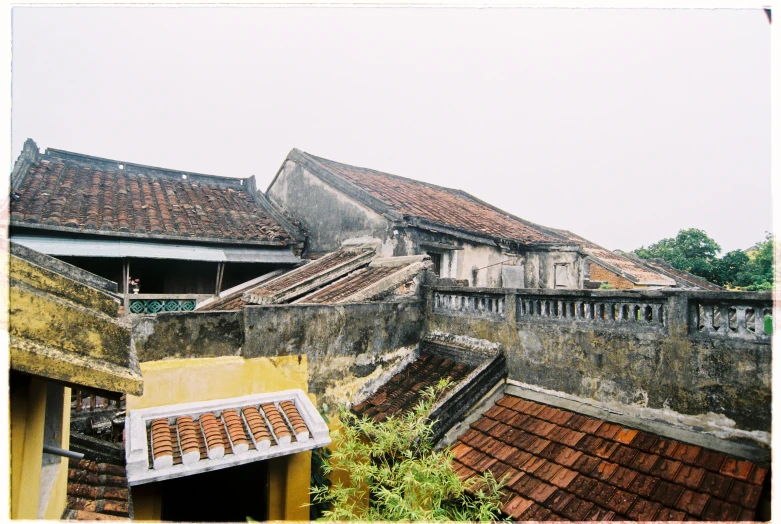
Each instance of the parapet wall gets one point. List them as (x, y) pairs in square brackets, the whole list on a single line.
[(698, 358), (347, 346)]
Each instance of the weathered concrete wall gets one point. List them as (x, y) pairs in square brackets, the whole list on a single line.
[(188, 335), (346, 345), (327, 214), (718, 382)]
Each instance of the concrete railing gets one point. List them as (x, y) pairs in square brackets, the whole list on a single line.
[(694, 313), (722, 317), (489, 304)]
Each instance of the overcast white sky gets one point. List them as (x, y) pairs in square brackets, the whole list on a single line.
[(623, 126)]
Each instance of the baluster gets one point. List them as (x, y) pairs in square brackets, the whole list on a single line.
[(660, 314), (759, 321), (501, 306), (707, 320), (724, 314), (741, 317)]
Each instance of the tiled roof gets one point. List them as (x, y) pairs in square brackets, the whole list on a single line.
[(68, 193), (351, 284), (211, 435), (404, 390), (562, 465), (303, 273), (679, 274), (96, 491), (636, 272), (289, 280), (439, 205), (178, 440)]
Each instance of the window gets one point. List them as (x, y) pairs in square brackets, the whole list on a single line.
[(561, 276)]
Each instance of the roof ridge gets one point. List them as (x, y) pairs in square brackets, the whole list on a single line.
[(450, 190), (84, 159), (421, 182)]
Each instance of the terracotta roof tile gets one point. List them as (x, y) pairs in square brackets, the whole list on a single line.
[(81, 196), (744, 494), (643, 441), (710, 460), (558, 501), (516, 506), (716, 485), (598, 514), (590, 476), (621, 501), (535, 513), (439, 205), (623, 477), (427, 370), (643, 510), (719, 510), (97, 488), (692, 502)]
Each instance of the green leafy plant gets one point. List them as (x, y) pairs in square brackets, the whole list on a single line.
[(319, 476), (605, 285), (396, 474)]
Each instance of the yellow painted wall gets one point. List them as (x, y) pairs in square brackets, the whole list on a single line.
[(199, 379), (58, 498), (28, 410)]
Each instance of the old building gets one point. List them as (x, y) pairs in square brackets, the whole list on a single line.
[(63, 333), (174, 237), (466, 238)]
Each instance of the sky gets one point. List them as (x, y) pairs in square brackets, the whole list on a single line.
[(623, 126)]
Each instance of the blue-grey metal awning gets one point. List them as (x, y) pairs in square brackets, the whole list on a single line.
[(116, 248)]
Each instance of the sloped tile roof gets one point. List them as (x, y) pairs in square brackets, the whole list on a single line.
[(290, 279), (562, 465), (637, 272), (350, 285), (97, 197), (678, 274), (96, 490), (404, 390), (184, 439), (439, 205)]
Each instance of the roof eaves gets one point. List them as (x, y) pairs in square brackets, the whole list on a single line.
[(189, 239), (318, 169)]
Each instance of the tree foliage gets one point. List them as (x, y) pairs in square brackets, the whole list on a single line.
[(691, 250), (757, 273), (396, 474), (694, 251)]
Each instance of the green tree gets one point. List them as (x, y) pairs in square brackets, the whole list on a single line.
[(691, 250), (393, 465), (757, 273), (727, 268)]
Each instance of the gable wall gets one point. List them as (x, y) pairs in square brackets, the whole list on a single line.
[(326, 213)]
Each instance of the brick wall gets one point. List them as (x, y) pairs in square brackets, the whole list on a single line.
[(598, 273)]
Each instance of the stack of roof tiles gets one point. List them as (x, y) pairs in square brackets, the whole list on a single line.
[(561, 465), (404, 390), (70, 194), (213, 435), (350, 285), (288, 280), (96, 491), (450, 207)]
